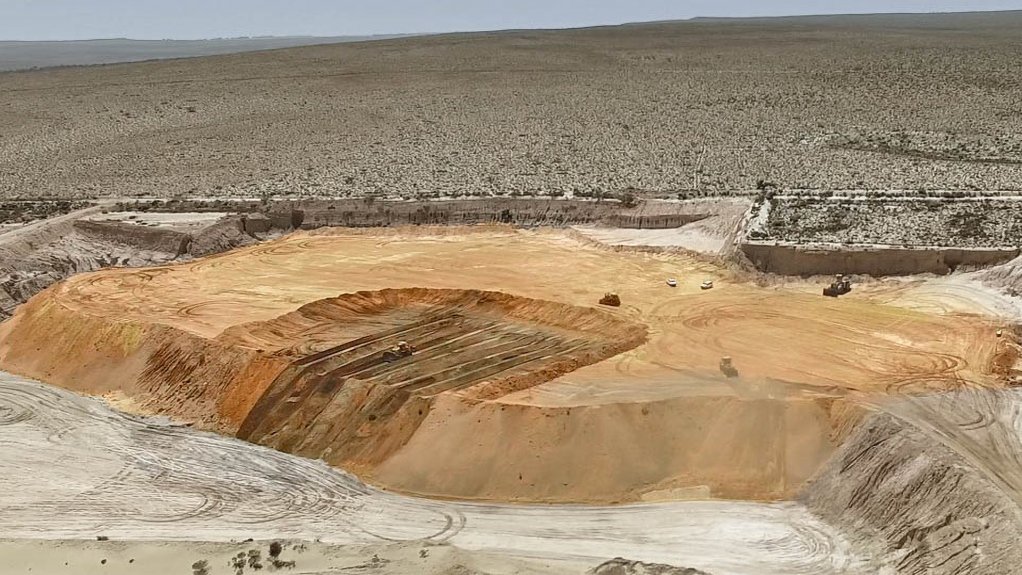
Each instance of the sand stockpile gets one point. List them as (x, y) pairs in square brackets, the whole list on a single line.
[(519, 387)]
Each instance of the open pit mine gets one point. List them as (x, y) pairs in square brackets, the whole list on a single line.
[(713, 297), (476, 364)]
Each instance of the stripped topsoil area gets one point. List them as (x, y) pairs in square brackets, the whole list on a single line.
[(518, 387)]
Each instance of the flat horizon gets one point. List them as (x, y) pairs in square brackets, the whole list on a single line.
[(511, 28)]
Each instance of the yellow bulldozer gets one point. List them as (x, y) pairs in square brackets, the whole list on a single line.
[(841, 285), (611, 299), (402, 349), (727, 367)]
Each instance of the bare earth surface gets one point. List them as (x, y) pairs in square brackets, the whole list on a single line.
[(712, 235), (654, 421), (82, 557), (132, 479), (453, 400)]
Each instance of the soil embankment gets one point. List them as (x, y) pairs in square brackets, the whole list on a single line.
[(152, 239)]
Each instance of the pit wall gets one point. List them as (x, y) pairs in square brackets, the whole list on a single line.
[(924, 508), (145, 238), (220, 237), (159, 369), (653, 222), (723, 447), (312, 214), (880, 261)]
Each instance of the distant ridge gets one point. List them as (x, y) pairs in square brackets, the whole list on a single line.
[(23, 55), (918, 17)]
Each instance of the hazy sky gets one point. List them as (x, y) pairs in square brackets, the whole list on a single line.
[(155, 19)]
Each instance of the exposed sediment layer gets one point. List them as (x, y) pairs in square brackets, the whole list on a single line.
[(153, 239), (213, 341), (311, 214), (798, 260), (222, 378), (346, 398)]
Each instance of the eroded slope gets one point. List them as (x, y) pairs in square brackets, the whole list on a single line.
[(936, 479)]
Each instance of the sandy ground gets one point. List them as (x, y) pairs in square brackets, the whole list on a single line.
[(963, 293), (851, 343), (181, 558), (74, 469), (657, 422), (687, 237)]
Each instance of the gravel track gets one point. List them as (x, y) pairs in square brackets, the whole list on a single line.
[(75, 469)]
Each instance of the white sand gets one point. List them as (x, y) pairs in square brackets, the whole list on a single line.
[(74, 469), (180, 558)]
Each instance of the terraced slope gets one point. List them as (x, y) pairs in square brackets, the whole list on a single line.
[(341, 403), (522, 387)]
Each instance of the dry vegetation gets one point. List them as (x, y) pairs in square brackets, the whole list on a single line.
[(898, 220), (14, 212), (711, 106), (1006, 149)]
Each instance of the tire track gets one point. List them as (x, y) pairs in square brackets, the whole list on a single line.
[(127, 477)]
